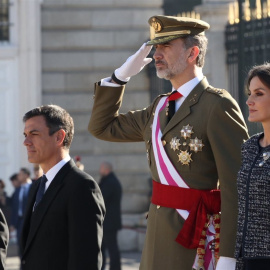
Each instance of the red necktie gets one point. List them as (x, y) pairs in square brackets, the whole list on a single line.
[(172, 97)]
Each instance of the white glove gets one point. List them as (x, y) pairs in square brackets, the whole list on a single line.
[(134, 64), (226, 263)]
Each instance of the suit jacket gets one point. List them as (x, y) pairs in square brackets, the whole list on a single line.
[(112, 192), (4, 237), (216, 119), (15, 219), (65, 230)]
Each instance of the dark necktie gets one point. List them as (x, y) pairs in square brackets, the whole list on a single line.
[(41, 190), (172, 97)]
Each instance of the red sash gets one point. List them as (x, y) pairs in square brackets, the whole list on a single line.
[(199, 203)]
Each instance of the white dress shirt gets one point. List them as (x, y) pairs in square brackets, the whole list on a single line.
[(185, 90), (54, 170)]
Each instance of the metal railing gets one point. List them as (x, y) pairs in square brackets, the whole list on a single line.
[(247, 45)]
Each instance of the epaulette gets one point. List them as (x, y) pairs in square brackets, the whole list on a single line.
[(216, 91)]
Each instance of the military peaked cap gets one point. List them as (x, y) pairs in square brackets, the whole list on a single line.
[(166, 28)]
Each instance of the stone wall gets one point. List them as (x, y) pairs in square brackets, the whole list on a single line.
[(85, 41)]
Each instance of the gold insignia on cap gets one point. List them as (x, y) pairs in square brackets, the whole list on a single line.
[(156, 25), (175, 143), (184, 157), (186, 131), (196, 145)]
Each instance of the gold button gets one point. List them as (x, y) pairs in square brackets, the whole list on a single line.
[(153, 114), (148, 141), (158, 206), (93, 97), (164, 142), (184, 143)]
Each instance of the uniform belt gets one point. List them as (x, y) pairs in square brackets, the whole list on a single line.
[(199, 203)]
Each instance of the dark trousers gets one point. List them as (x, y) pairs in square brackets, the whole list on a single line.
[(256, 264), (19, 232), (109, 243)]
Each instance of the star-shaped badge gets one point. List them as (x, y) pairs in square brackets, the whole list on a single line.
[(175, 143), (186, 131), (196, 145), (184, 157)]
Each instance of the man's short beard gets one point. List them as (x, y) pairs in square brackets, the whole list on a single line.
[(164, 74)]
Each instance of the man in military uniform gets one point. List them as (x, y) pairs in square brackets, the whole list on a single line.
[(193, 138)]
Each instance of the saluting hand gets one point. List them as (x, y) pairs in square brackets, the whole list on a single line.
[(134, 64)]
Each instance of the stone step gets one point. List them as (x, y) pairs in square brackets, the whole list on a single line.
[(132, 235), (133, 202), (136, 188), (84, 81), (139, 183), (102, 4), (95, 147), (87, 40), (92, 60), (87, 18), (79, 102), (124, 163)]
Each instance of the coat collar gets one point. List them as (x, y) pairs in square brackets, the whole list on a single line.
[(34, 219), (184, 110)]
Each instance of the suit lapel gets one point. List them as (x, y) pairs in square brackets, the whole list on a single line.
[(185, 108), (38, 215)]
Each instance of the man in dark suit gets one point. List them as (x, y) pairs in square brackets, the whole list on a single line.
[(63, 222), (19, 201), (112, 192)]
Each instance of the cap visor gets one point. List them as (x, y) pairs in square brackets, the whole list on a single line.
[(162, 40)]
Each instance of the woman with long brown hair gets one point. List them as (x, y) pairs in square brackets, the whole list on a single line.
[(253, 235)]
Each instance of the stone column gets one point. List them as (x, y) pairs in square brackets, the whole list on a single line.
[(19, 83), (216, 14), (29, 64)]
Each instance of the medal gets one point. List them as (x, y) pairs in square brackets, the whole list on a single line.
[(175, 143), (196, 145), (184, 157), (186, 131)]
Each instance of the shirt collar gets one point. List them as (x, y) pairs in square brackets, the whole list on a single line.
[(27, 183), (186, 88), (56, 168)]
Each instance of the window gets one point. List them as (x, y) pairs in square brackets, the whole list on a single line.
[(4, 20)]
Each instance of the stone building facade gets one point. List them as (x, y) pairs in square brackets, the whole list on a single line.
[(58, 50)]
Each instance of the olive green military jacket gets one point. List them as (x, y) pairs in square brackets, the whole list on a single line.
[(216, 119)]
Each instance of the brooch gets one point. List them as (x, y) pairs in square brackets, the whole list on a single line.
[(266, 156)]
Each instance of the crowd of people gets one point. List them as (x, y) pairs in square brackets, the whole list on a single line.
[(18, 181), (211, 190)]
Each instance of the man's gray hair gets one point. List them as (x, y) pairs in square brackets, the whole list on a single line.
[(201, 42)]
